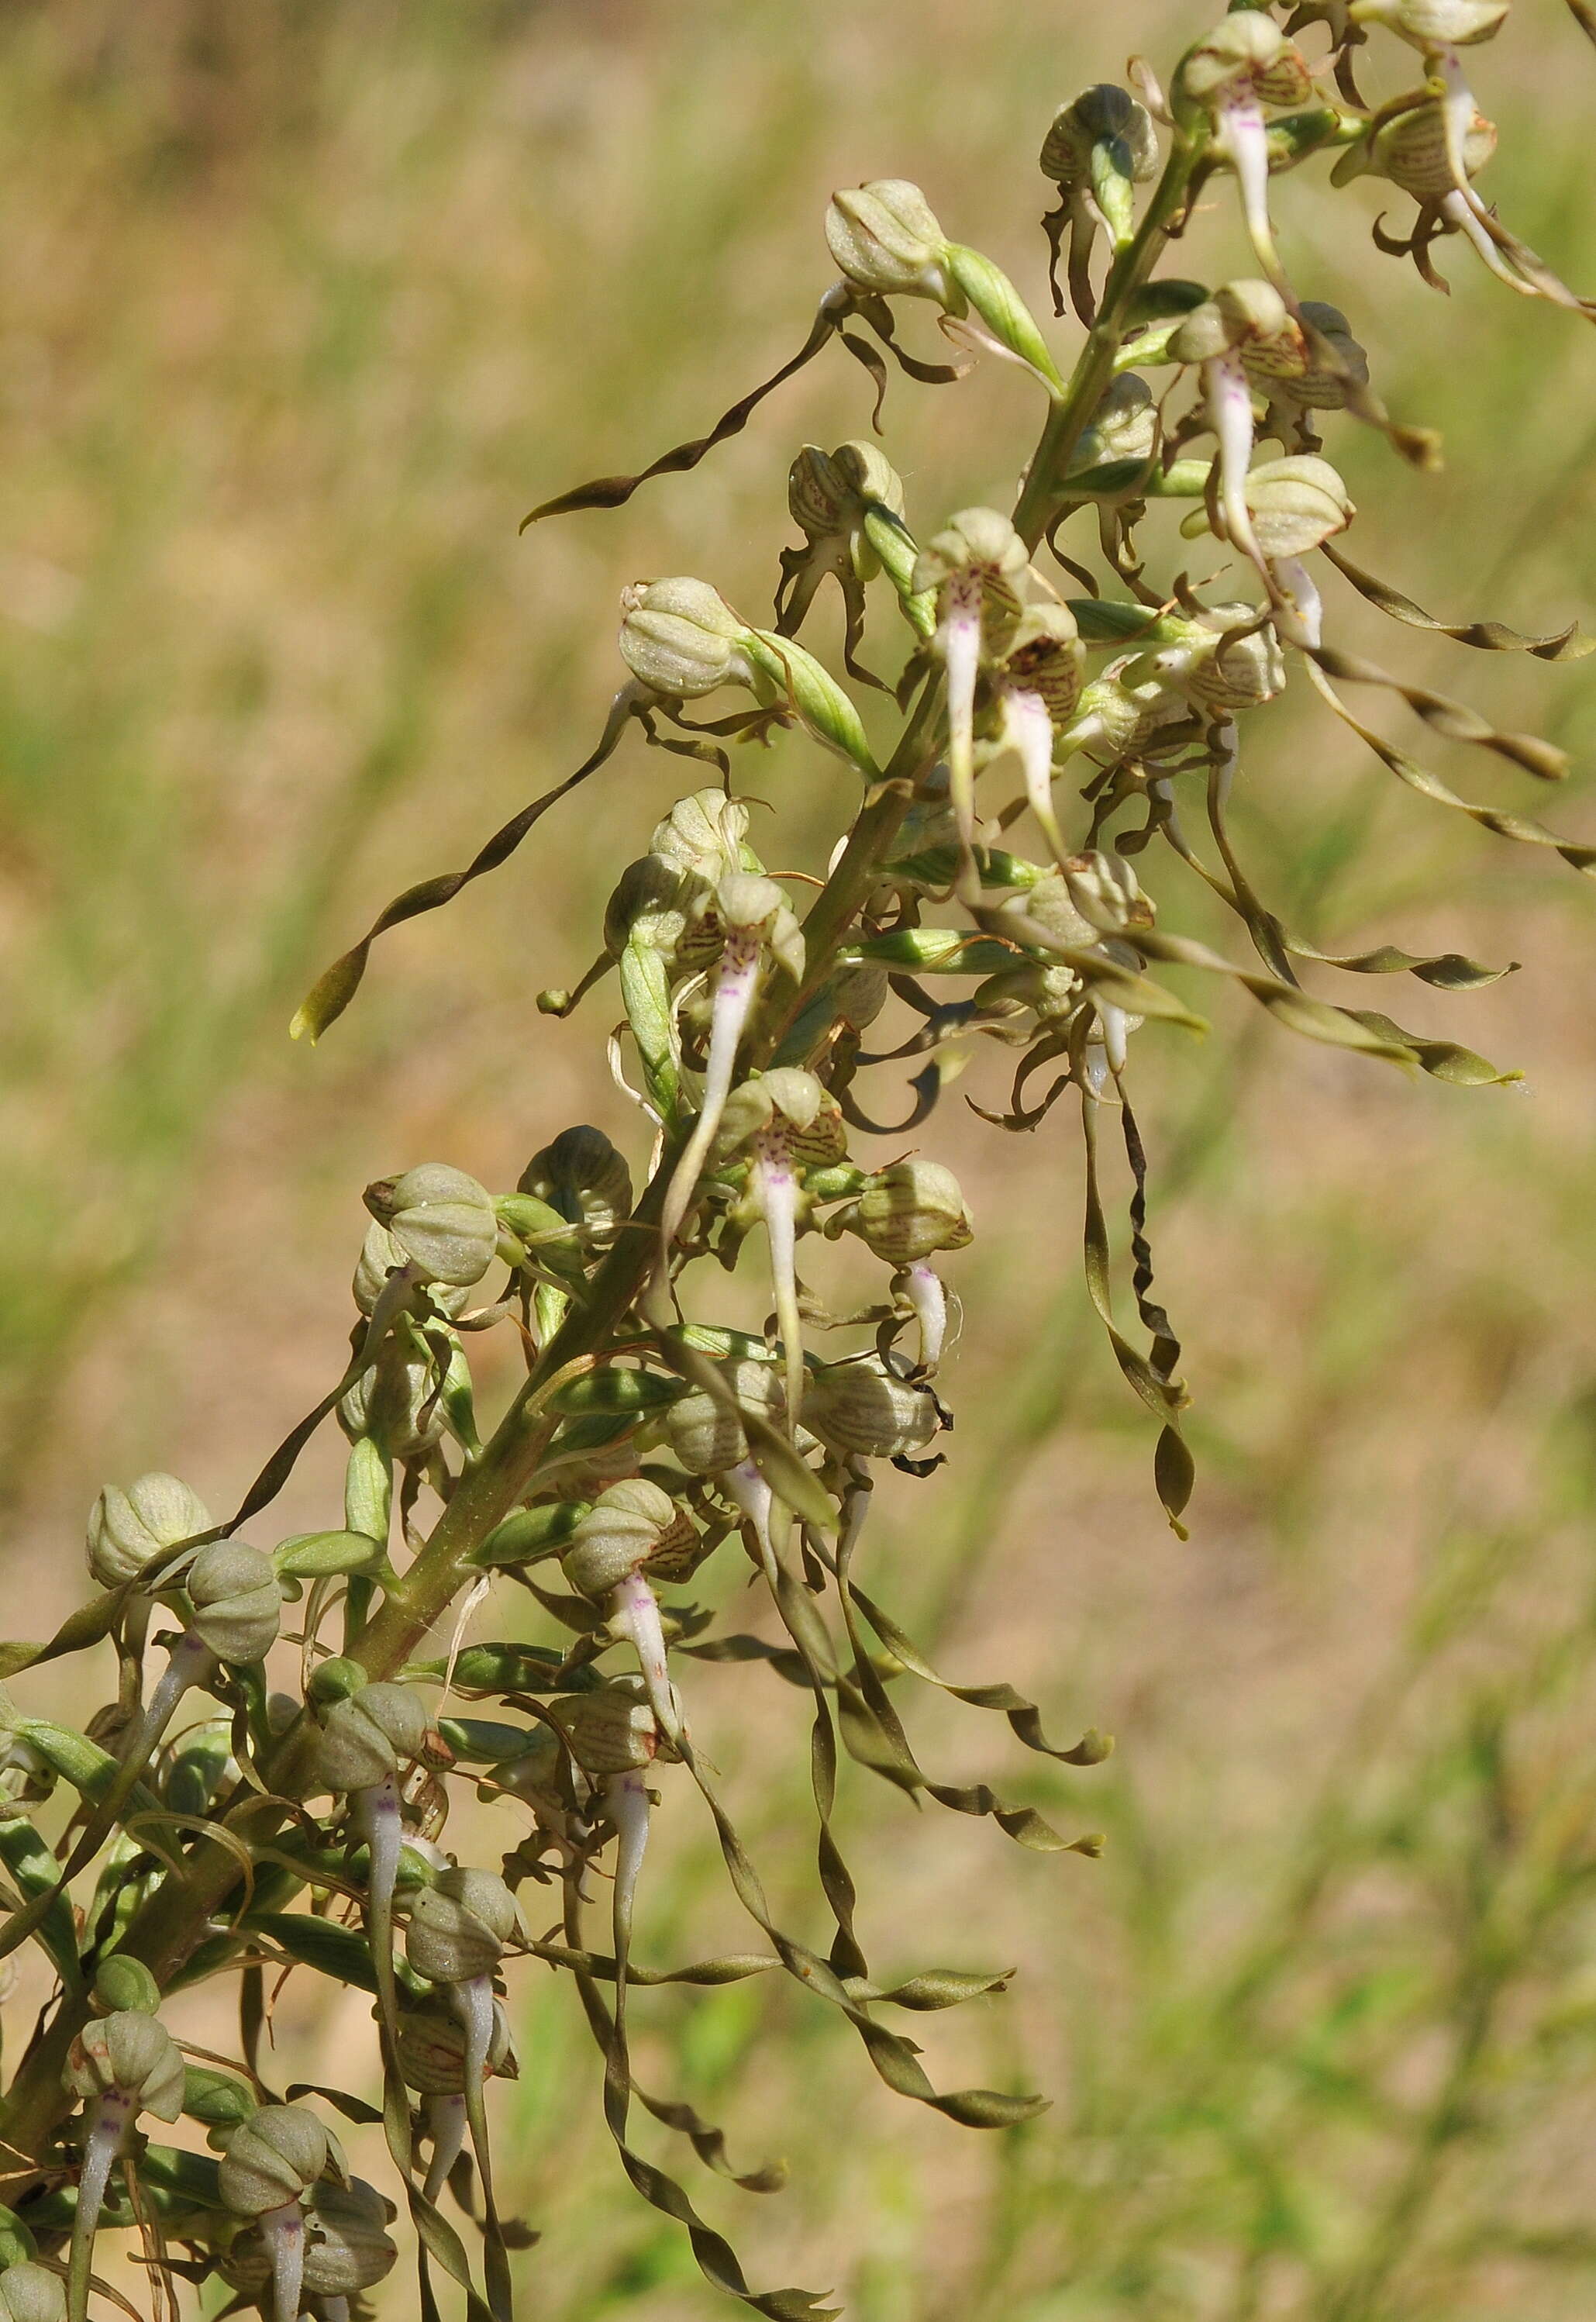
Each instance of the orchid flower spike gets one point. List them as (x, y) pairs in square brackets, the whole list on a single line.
[(757, 933), (1222, 88), (120, 2066), (784, 1124), (633, 1533), (977, 568)]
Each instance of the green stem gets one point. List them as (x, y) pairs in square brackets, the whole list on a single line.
[(1091, 379)]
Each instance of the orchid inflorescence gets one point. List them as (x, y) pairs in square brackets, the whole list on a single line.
[(307, 1829)]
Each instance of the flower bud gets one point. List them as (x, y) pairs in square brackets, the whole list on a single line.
[(1296, 505), (237, 1604), (132, 2051), (910, 1210), (1247, 314), (1123, 426), (431, 2046), (129, 1529), (705, 832), (380, 1256), (611, 1731), (1105, 114), (820, 499), (461, 1927), (1247, 58), (1411, 149), (681, 638), (633, 1527), (1105, 890), (31, 2293), (860, 993), (981, 542), (860, 1408), (1052, 992), (368, 1735), (1287, 363), (885, 239), (1047, 905), (1046, 657), (704, 1435), (274, 2157), (396, 1402), (441, 1220), (1432, 25), (1241, 674), (124, 1983), (218, 2099), (532, 1775), (347, 2245), (831, 497), (583, 1176), (650, 903), (246, 2265), (17, 2246)]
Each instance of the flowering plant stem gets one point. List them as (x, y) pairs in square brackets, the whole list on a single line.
[(1070, 417), (166, 1930), (645, 1436)]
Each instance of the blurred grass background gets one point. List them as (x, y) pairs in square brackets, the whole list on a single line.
[(300, 308)]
